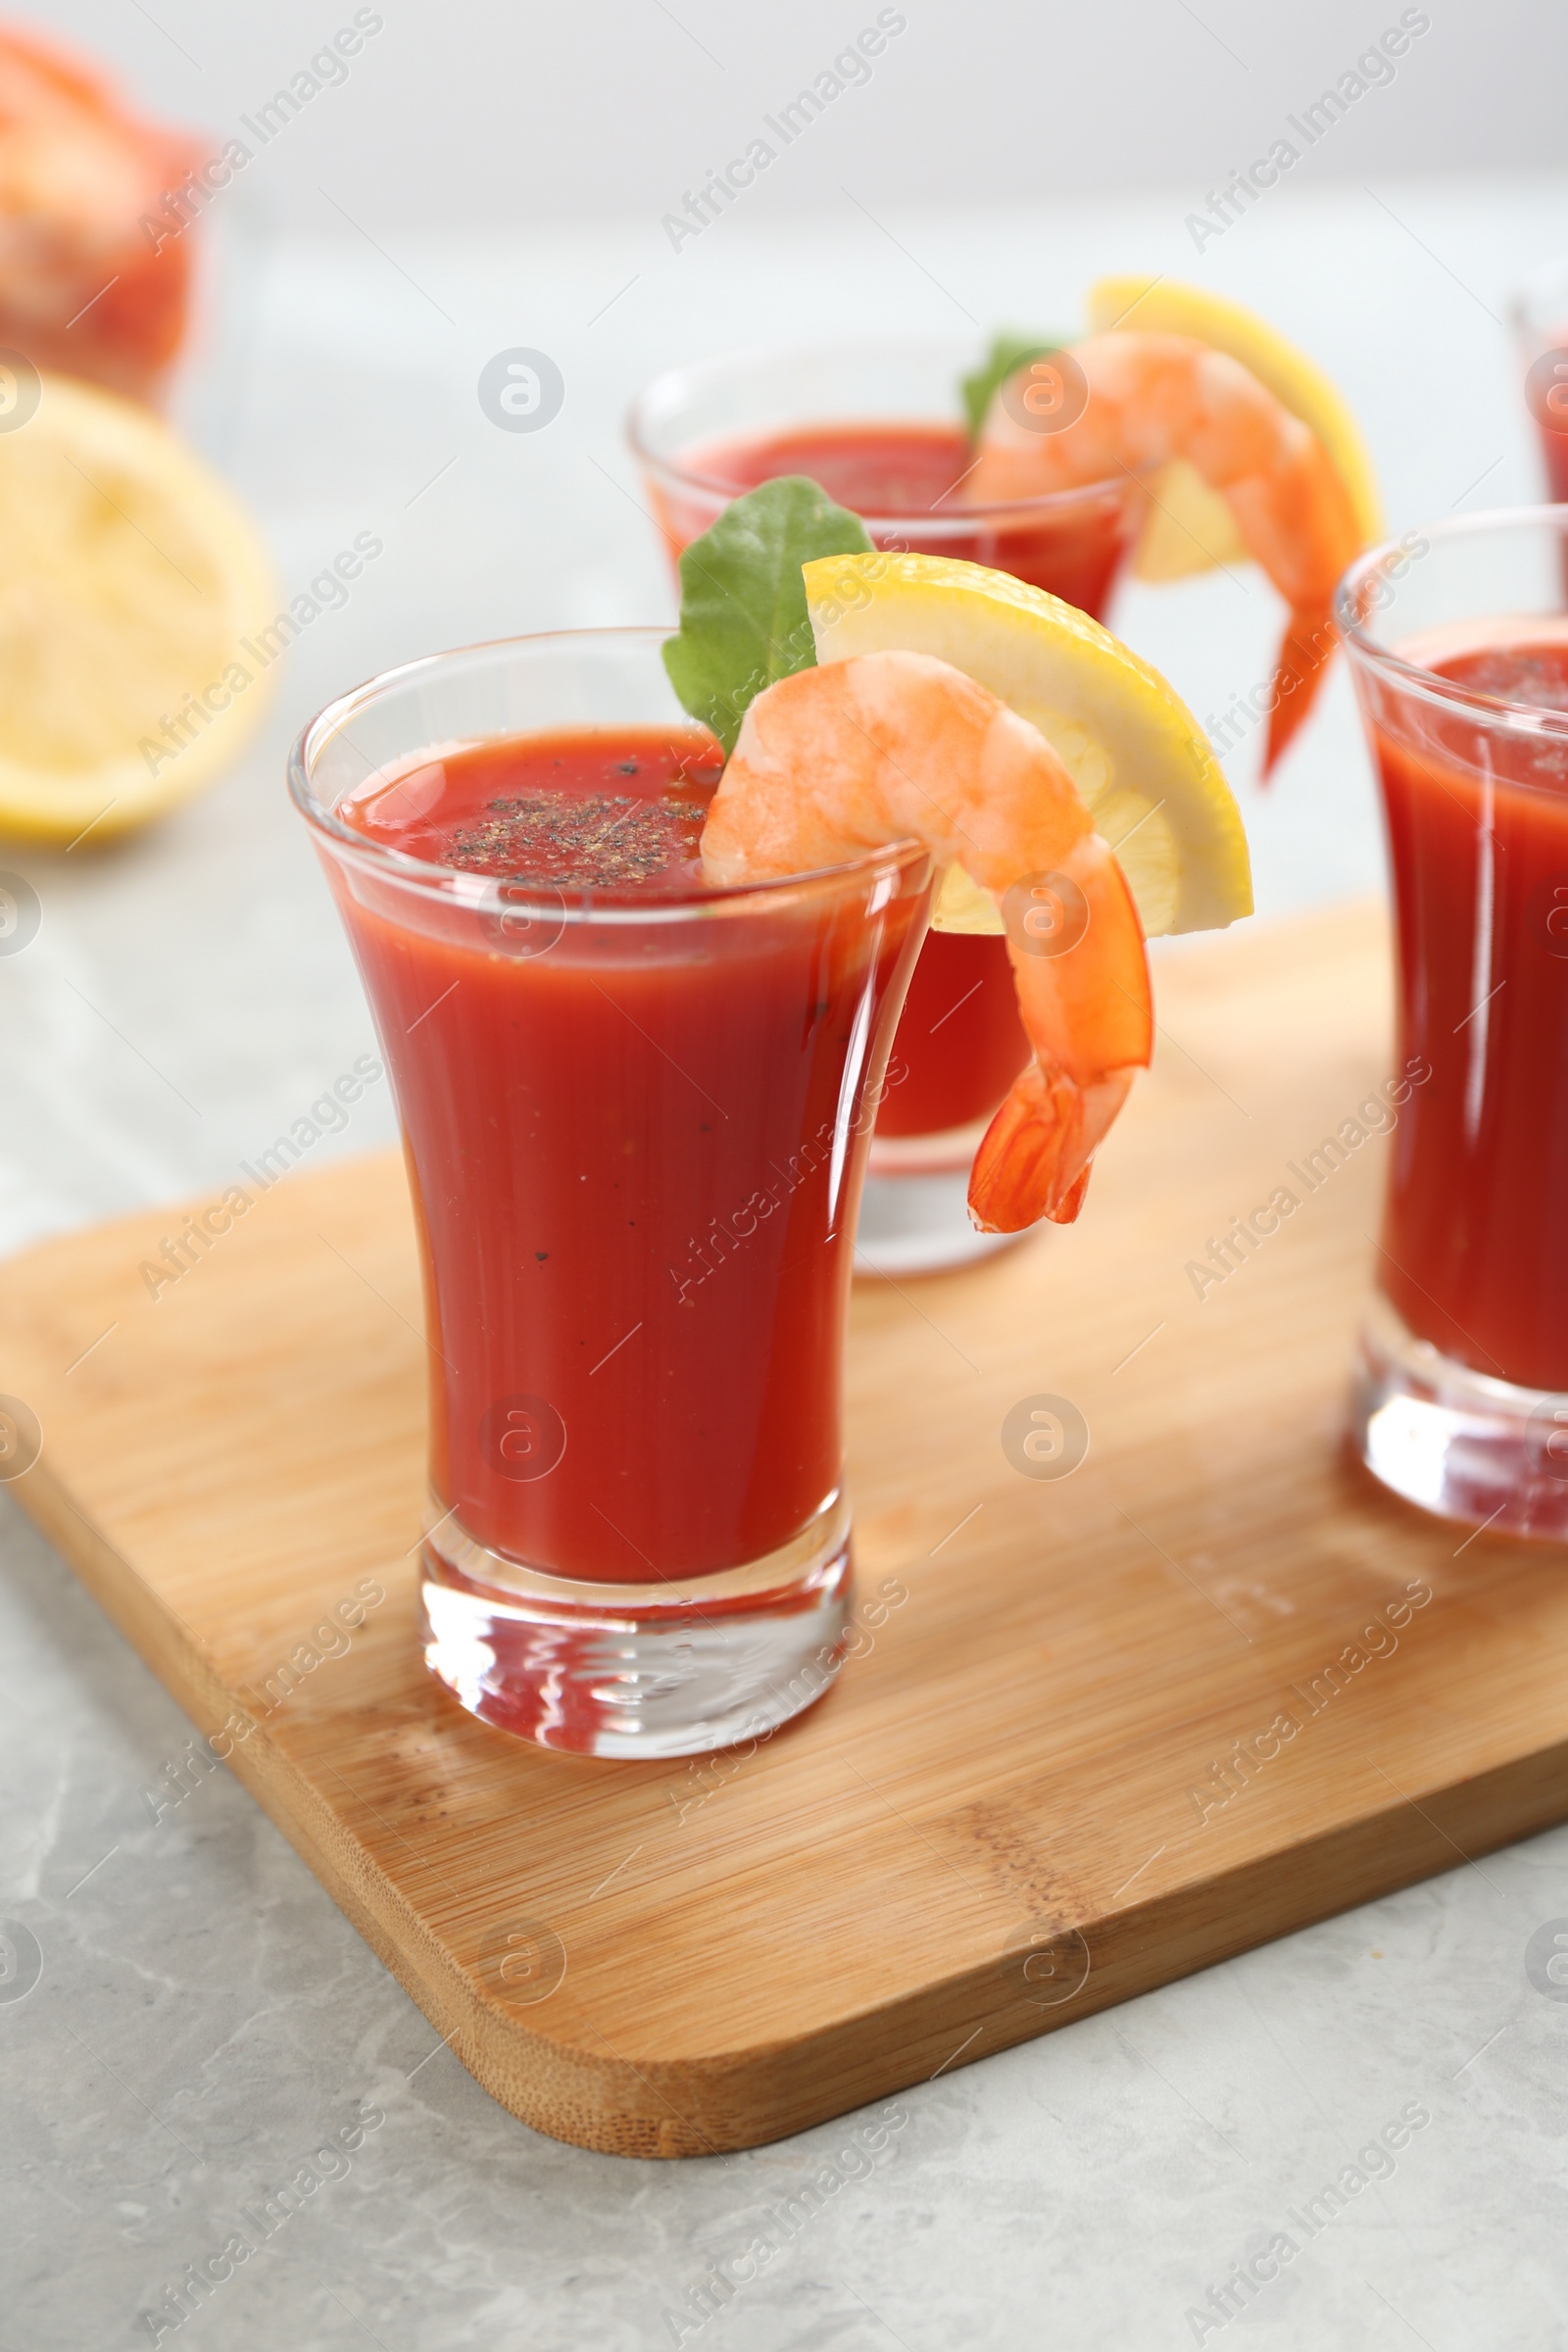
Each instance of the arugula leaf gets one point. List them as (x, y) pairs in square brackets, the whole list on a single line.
[(742, 619), (1007, 354)]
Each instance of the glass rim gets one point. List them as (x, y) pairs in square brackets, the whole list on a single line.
[(960, 521), (1448, 693), (508, 896)]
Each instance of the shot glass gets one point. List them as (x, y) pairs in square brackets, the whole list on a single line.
[(1540, 314), (879, 425), (1462, 1398), (636, 1129)]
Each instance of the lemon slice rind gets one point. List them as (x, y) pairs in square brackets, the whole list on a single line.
[(1135, 752)]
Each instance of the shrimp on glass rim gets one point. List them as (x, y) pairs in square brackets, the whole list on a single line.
[(894, 745), (1150, 398)]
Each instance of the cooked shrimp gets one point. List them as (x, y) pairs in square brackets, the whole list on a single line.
[(898, 746), (85, 286), (1152, 398)]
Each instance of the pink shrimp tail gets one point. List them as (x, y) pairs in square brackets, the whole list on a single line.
[(1306, 652), (1034, 1158)]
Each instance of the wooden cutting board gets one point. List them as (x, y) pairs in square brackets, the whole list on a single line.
[(1104, 1730)]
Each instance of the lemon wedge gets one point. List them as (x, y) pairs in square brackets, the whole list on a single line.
[(133, 584), (1134, 750), (1190, 526)]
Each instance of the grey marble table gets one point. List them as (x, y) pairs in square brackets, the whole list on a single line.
[(188, 2020)]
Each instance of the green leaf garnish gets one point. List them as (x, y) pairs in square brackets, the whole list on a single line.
[(1007, 354), (743, 617)]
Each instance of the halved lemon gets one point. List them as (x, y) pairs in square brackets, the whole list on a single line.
[(1134, 750), (133, 584), (1190, 526)]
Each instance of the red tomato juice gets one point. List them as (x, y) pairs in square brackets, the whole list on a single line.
[(906, 473), (1475, 1241), (1548, 402), (961, 1044), (632, 1154), (1554, 455)]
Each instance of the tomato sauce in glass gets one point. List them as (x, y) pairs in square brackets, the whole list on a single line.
[(631, 1151), (961, 1044), (1474, 1242)]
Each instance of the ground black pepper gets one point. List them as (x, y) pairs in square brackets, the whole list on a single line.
[(603, 841)]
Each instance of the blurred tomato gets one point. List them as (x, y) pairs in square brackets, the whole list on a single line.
[(94, 266)]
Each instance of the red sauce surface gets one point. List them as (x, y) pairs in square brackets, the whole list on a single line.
[(1554, 444), (910, 475), (880, 470), (1475, 1238), (958, 1067), (1554, 451), (620, 1148)]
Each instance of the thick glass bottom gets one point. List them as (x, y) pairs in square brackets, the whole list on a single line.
[(1457, 1442), (673, 1669), (917, 1222)]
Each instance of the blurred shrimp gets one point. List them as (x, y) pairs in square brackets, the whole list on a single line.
[(1149, 398), (94, 271), (898, 746)]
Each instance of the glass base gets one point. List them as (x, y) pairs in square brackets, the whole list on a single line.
[(673, 1669), (917, 1223), (1457, 1442)]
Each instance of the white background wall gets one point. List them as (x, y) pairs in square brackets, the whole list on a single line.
[(473, 113)]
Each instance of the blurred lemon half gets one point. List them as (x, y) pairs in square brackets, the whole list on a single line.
[(1138, 756), (133, 583), (1188, 527)]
